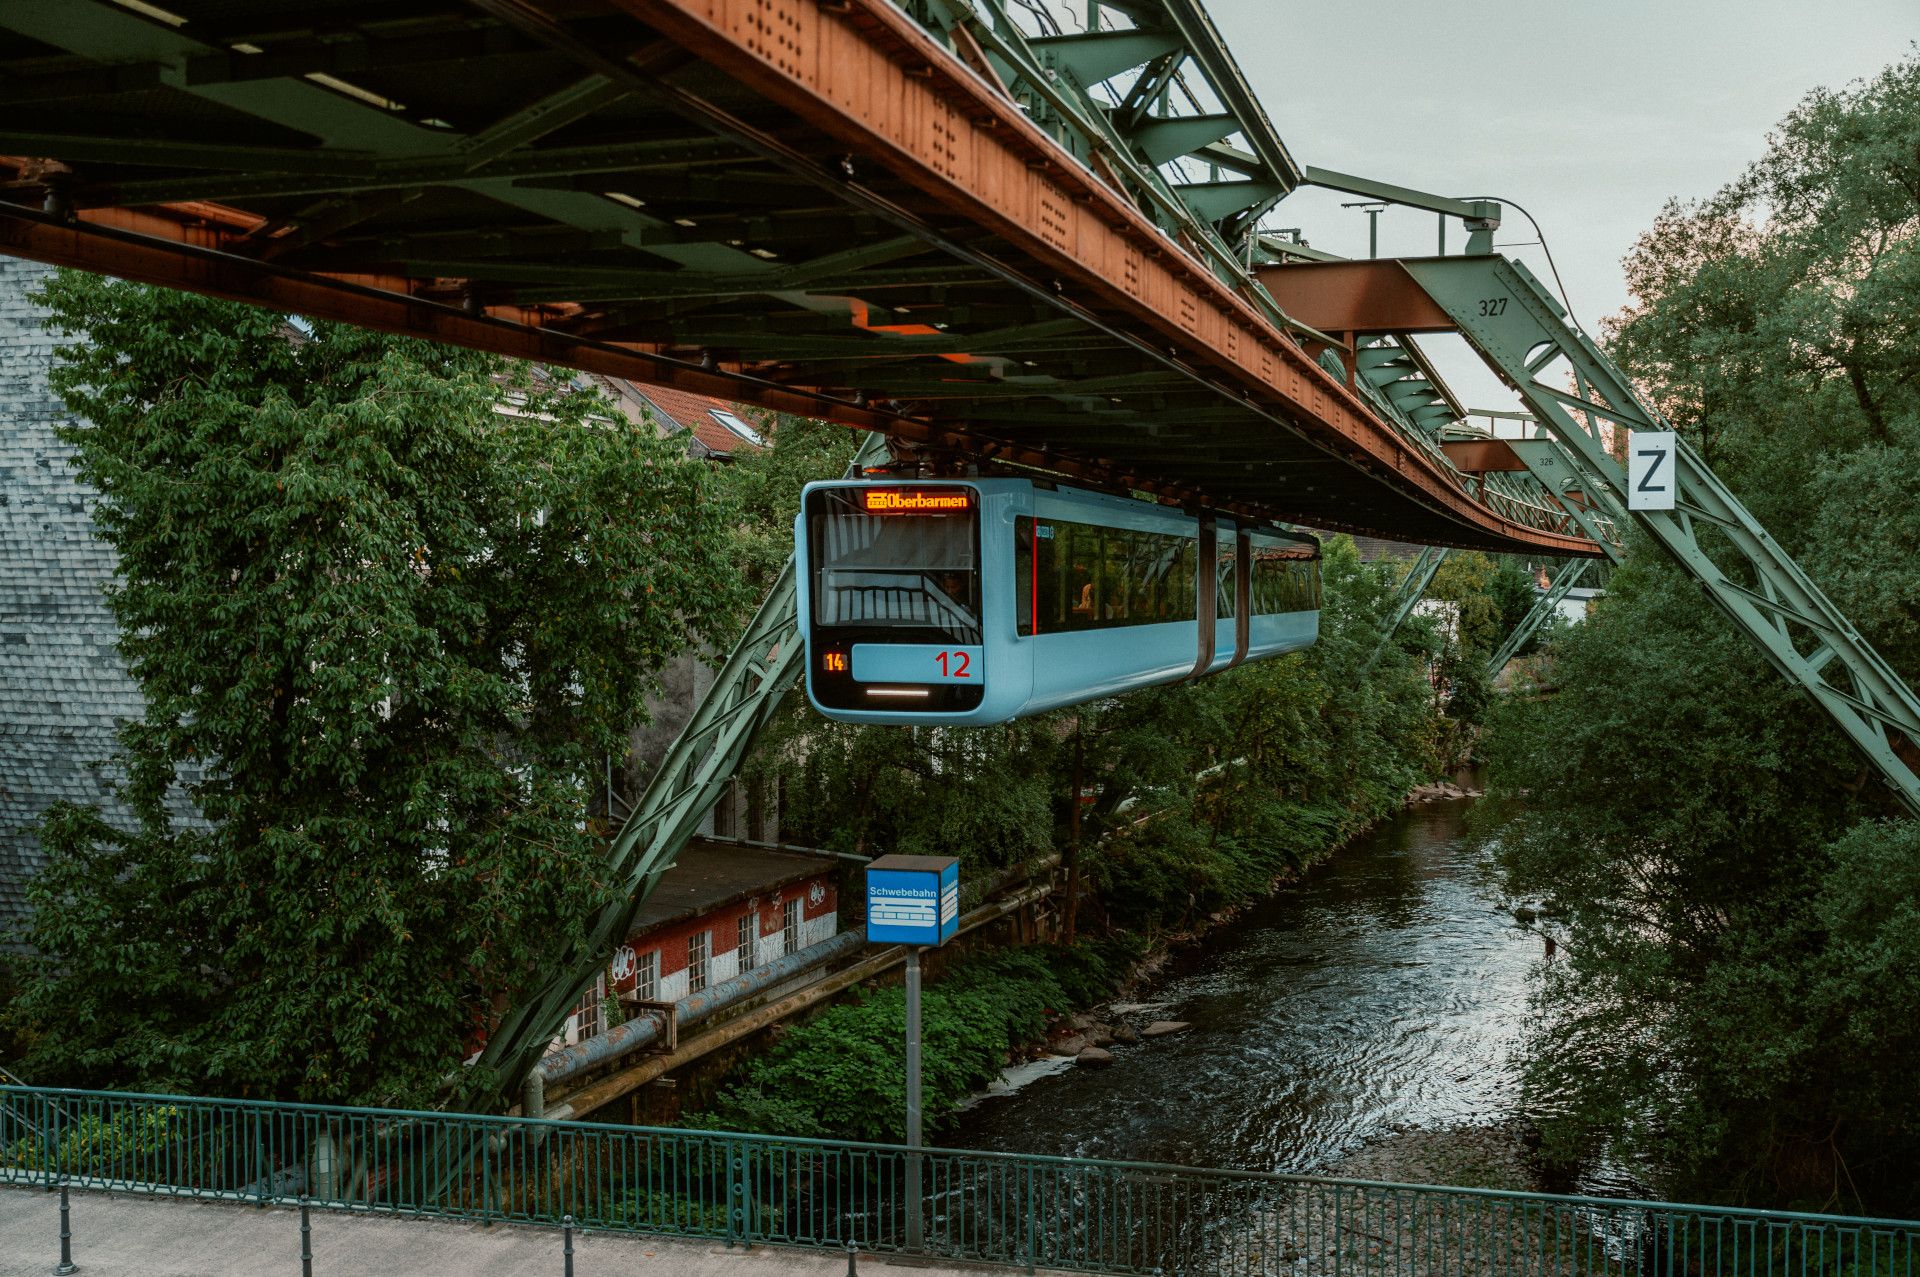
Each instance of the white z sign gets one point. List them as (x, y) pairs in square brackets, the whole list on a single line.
[(1652, 482)]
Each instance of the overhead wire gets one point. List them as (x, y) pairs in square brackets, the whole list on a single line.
[(1552, 265)]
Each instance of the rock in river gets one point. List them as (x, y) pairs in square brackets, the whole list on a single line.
[(1160, 1028), (1094, 1058)]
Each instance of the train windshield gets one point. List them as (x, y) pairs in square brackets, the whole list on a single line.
[(897, 558)]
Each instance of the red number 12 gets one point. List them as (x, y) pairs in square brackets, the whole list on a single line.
[(960, 667)]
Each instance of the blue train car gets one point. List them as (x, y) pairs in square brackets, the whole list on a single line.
[(983, 600)]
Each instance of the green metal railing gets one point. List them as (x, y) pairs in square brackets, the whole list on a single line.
[(1046, 1212)]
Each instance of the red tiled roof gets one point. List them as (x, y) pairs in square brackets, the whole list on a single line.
[(694, 413)]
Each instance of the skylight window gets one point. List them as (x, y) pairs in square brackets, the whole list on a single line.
[(736, 426)]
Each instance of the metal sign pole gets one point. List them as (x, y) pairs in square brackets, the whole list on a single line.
[(915, 1240), (914, 902)]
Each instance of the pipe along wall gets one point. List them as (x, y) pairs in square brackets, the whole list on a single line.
[(644, 1031)]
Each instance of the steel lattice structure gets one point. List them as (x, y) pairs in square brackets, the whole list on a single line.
[(953, 222)]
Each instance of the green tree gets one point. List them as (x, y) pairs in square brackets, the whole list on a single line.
[(1512, 592), (765, 487), (1729, 1007), (385, 632)]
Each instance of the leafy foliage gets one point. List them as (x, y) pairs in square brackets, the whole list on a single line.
[(385, 632), (840, 1076), (1735, 1006), (764, 487)]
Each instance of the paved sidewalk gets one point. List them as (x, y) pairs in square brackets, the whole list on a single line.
[(125, 1236)]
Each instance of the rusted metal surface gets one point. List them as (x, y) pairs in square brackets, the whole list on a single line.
[(816, 208), (1483, 456), (1355, 297), (867, 75)]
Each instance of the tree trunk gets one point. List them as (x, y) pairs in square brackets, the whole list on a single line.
[(1070, 920)]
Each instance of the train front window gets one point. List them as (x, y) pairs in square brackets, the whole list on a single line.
[(892, 558)]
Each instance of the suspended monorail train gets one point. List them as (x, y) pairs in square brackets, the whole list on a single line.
[(984, 600)]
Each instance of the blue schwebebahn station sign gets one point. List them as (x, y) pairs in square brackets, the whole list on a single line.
[(913, 900)]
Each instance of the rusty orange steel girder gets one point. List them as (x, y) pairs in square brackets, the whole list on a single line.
[(388, 304), (1483, 456), (1355, 297), (889, 122), (864, 72)]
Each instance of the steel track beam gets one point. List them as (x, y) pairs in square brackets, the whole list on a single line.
[(876, 82)]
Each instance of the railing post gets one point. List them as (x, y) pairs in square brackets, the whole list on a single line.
[(306, 1240), (566, 1231), (736, 1194), (259, 1164), (1031, 1209), (54, 1137), (486, 1176), (66, 1264)]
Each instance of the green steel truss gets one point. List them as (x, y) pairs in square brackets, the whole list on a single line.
[(1149, 95), (1559, 473), (1545, 604), (1518, 328), (689, 781), (1413, 588)]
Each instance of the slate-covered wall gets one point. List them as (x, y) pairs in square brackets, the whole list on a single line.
[(63, 690)]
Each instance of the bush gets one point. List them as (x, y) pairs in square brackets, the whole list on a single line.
[(841, 1076)]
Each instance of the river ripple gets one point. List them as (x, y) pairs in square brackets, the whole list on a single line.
[(1386, 990)]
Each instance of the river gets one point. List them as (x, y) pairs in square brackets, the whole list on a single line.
[(1385, 991)]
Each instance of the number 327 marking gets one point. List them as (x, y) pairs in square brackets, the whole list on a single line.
[(1491, 306)]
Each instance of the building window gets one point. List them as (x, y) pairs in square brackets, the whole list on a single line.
[(698, 946), (749, 932), (790, 926), (737, 427), (589, 1018), (646, 976)]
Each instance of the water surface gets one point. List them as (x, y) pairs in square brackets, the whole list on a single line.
[(1386, 990)]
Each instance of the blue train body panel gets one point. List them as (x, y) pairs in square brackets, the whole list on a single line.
[(984, 600)]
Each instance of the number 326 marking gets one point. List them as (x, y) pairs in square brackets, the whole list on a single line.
[(1491, 306)]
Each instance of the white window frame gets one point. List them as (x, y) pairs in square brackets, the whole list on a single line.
[(791, 923), (737, 426), (646, 976), (746, 939), (699, 955)]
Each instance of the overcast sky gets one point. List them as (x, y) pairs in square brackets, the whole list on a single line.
[(1592, 113)]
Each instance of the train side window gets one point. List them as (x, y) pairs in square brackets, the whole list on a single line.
[(1080, 576)]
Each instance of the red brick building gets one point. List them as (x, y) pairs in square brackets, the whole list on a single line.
[(721, 910)]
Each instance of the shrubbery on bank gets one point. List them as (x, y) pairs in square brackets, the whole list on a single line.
[(839, 1074)]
